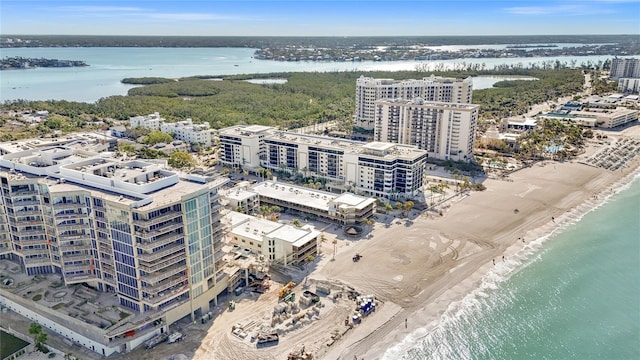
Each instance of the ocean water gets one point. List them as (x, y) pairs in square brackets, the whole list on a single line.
[(576, 297), (107, 66)]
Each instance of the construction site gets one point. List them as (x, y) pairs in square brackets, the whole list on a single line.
[(281, 322)]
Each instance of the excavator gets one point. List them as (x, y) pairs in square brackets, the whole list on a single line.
[(286, 289)]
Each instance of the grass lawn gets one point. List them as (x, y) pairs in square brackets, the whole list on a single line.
[(10, 344)]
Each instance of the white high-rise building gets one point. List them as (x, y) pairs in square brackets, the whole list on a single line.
[(150, 236), (243, 145), (377, 169), (625, 68), (444, 130), (433, 88)]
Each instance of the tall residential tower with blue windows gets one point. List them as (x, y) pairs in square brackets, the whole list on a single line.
[(134, 228)]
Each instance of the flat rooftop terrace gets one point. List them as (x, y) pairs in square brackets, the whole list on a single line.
[(77, 307)]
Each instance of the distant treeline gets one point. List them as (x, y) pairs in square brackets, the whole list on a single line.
[(146, 80), (274, 41)]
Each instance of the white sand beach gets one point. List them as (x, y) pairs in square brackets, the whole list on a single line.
[(425, 265)]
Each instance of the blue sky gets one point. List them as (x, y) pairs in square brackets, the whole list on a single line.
[(320, 18)]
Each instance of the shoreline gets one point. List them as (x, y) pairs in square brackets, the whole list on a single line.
[(476, 271), (519, 256)]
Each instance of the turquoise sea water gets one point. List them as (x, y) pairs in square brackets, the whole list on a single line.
[(578, 297)]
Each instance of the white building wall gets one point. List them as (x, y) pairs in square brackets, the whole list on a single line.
[(369, 90), (152, 122), (629, 85), (58, 329)]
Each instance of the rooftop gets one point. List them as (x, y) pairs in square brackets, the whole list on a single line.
[(321, 200), (239, 194), (255, 228)]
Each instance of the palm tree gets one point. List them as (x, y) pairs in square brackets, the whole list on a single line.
[(39, 337), (407, 206), (335, 246), (433, 189), (307, 260), (388, 207)]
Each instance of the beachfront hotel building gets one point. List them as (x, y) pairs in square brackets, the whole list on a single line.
[(376, 169), (346, 208), (604, 119), (625, 68), (243, 145), (433, 88), (444, 130), (185, 130), (278, 243), (148, 236)]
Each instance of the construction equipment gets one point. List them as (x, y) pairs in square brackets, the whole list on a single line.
[(267, 339), (156, 340), (314, 297), (286, 289), (175, 337)]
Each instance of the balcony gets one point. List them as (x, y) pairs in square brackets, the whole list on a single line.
[(74, 247), (104, 248), (149, 257), (37, 260), (155, 300), (39, 251), (168, 262), (77, 257), (68, 227), (32, 232), (25, 222), (149, 222), (156, 277), (167, 283), (74, 237), (159, 241), (108, 268), (27, 213), (24, 241), (77, 278), (60, 206), (71, 216), (29, 202), (159, 231), (73, 268)]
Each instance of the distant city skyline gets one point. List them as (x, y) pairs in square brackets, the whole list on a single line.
[(319, 18)]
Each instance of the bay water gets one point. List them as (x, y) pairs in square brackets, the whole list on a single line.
[(108, 66), (575, 295)]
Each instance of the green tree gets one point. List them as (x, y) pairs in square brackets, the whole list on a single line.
[(296, 223), (181, 159), (309, 259), (156, 137), (407, 206), (39, 337), (127, 149)]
